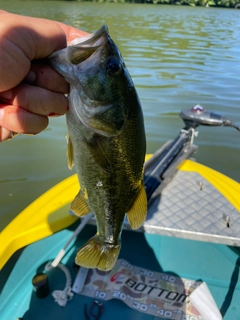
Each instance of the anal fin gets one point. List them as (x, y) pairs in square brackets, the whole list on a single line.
[(138, 212), (79, 205), (97, 254)]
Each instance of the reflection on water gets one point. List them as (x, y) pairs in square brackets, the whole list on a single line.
[(177, 56)]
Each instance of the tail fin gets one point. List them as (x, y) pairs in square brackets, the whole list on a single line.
[(97, 254)]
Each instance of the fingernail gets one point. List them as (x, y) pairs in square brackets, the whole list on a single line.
[(1, 113), (7, 95), (52, 114)]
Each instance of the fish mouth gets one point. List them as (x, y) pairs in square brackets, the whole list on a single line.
[(90, 38), (77, 51), (82, 48)]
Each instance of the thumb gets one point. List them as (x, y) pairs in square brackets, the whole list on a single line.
[(23, 39), (36, 38)]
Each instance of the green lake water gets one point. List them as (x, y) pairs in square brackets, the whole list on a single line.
[(177, 56)]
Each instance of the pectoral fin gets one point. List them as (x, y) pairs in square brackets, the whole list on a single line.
[(79, 205), (138, 212), (70, 152), (97, 151)]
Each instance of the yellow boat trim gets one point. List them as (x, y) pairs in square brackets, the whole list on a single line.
[(39, 219), (229, 188), (42, 218)]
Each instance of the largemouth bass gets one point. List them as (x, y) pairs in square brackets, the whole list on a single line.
[(106, 142)]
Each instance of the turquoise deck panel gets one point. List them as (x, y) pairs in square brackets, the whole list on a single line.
[(216, 264)]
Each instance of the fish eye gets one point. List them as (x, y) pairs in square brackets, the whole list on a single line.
[(113, 67)]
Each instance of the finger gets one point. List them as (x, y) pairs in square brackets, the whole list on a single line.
[(25, 39), (19, 120), (36, 100), (72, 33), (5, 134), (50, 36), (35, 37), (44, 76), (41, 38)]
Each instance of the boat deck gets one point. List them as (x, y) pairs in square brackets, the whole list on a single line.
[(194, 260), (191, 207)]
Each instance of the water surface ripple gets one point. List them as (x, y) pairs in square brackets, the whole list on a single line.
[(177, 56)]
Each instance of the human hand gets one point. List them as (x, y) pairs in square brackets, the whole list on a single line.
[(30, 90)]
